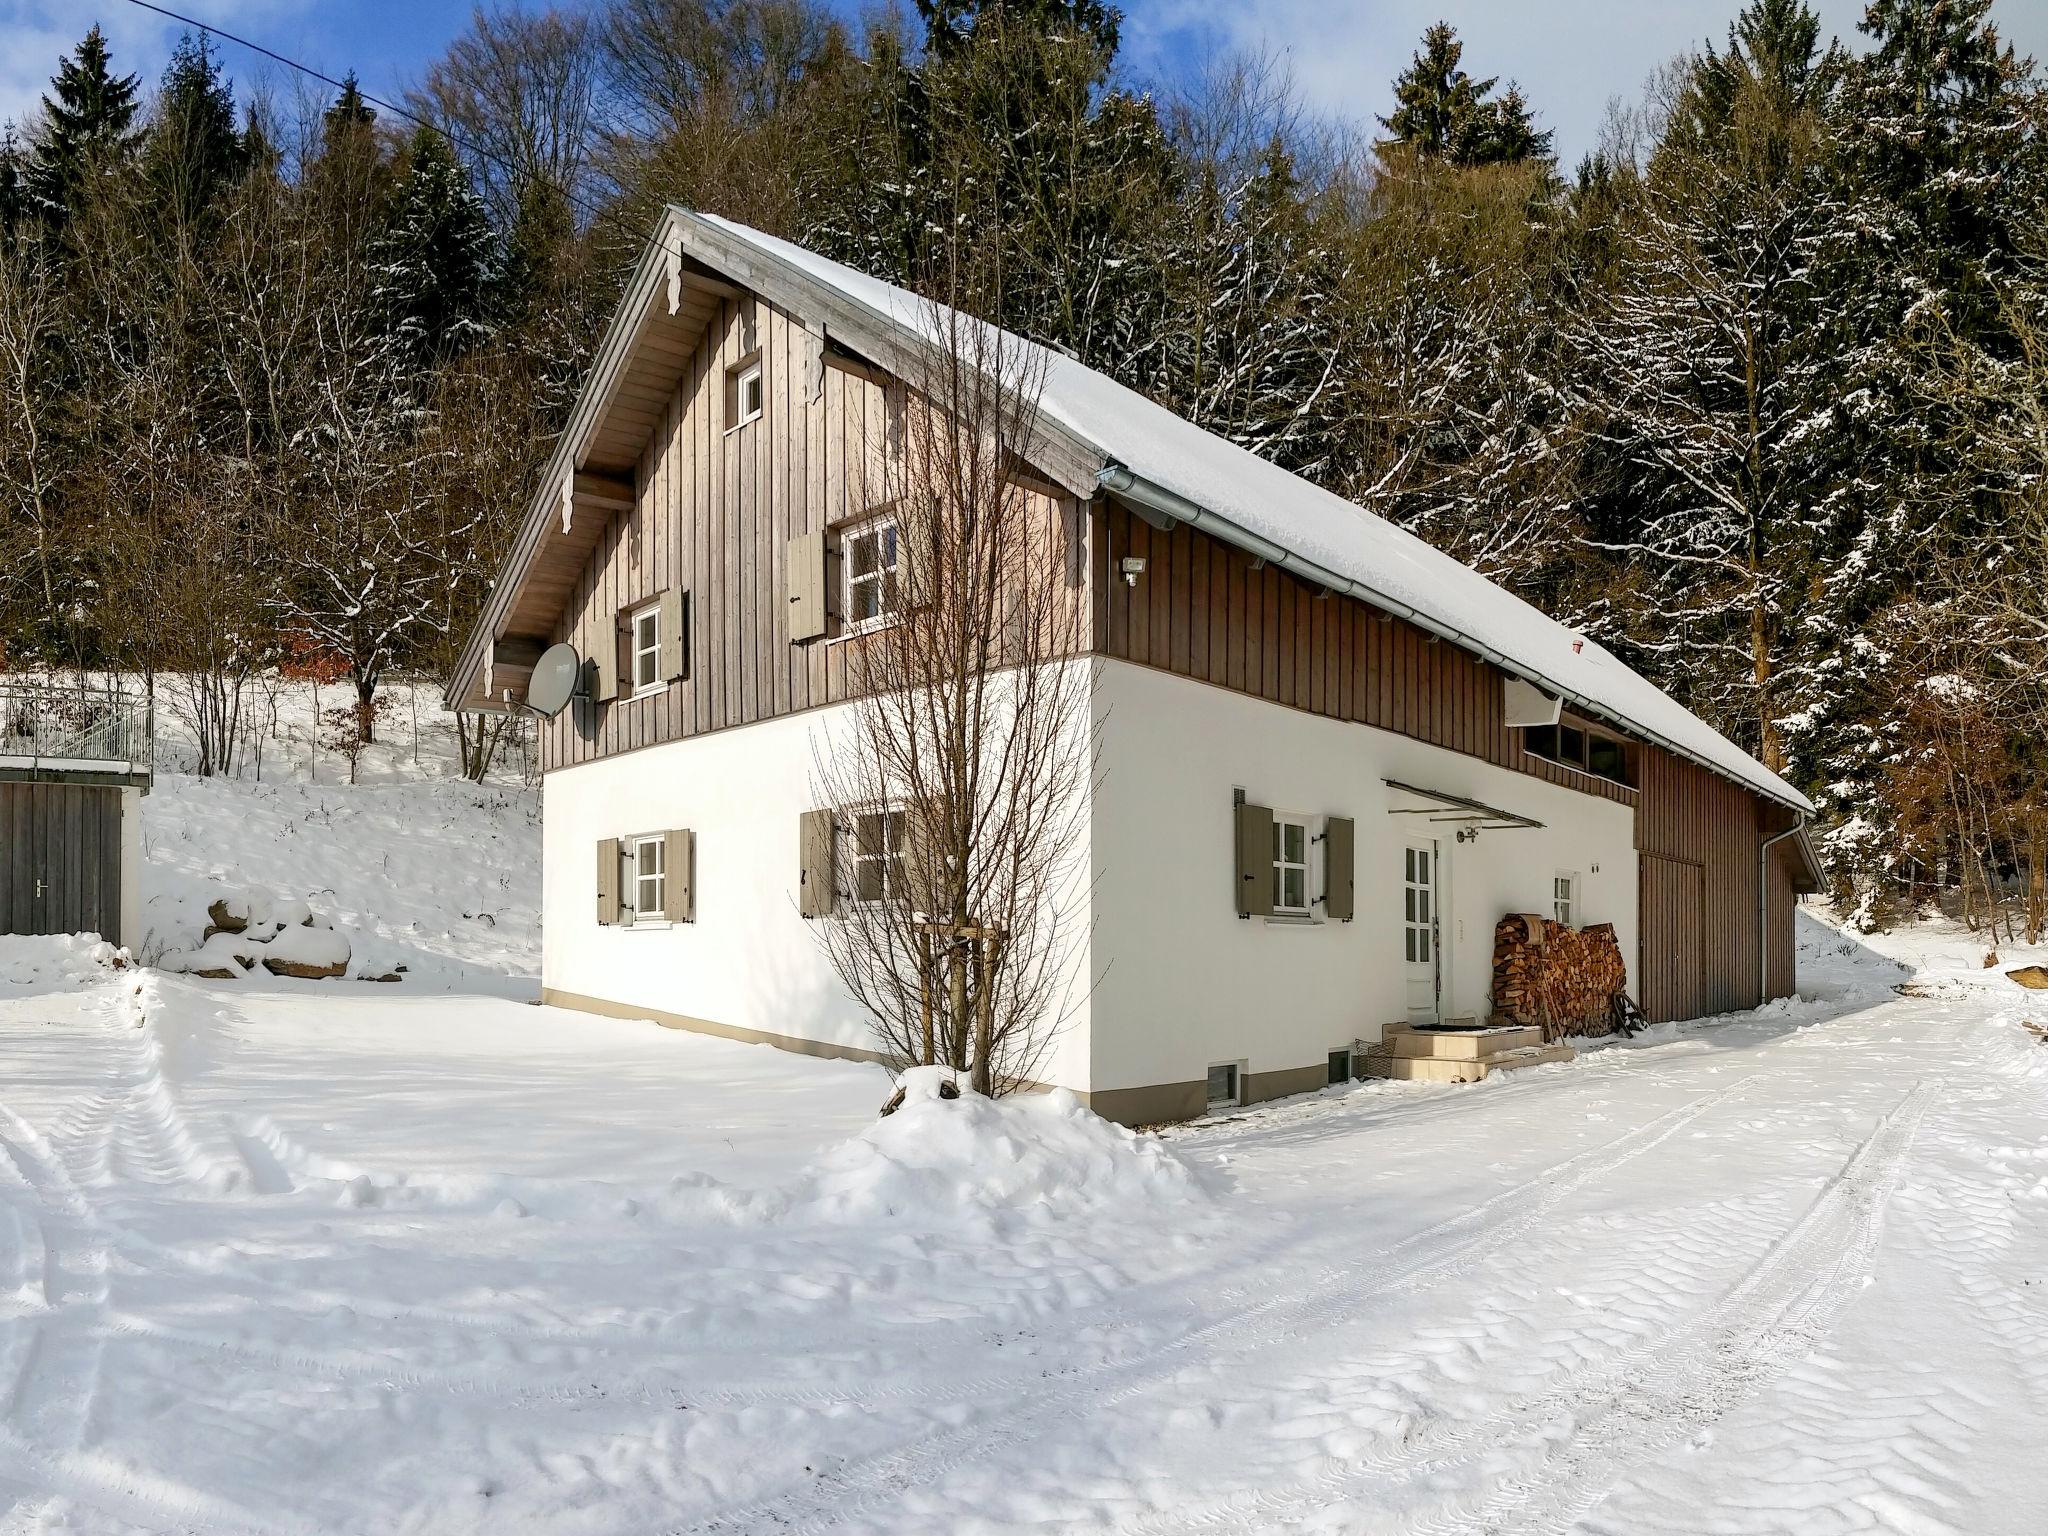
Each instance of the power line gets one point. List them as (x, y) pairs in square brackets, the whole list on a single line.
[(595, 210)]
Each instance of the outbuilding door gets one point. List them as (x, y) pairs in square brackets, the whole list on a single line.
[(1421, 930), (1673, 942), (60, 859)]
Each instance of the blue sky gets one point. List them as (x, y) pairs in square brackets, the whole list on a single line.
[(1570, 56)]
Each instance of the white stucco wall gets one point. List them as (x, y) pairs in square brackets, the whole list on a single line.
[(1185, 983), (748, 961), (1174, 980)]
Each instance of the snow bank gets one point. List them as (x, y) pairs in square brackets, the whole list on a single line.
[(439, 878), (942, 1159), (58, 962)]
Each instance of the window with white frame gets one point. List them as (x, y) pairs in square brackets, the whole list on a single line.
[(1291, 847), (747, 395), (871, 559), (878, 854), (1564, 899), (649, 891), (646, 644)]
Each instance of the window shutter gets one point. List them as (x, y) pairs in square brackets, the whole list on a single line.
[(679, 882), (1255, 861), (609, 869), (814, 840), (917, 538), (807, 606), (870, 832), (1340, 834), (675, 634), (604, 662)]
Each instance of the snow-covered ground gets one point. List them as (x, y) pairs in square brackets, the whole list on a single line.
[(288, 1256)]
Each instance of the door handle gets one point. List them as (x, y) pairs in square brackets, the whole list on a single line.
[(39, 890)]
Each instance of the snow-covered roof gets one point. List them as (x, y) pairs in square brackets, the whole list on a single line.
[(1322, 528)]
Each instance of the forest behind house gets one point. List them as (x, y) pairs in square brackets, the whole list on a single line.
[(1755, 394)]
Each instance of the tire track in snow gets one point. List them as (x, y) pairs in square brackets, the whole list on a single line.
[(1651, 1396), (866, 1485)]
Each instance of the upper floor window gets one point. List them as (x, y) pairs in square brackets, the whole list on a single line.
[(872, 554), (1290, 864), (746, 397), (1578, 746), (646, 642)]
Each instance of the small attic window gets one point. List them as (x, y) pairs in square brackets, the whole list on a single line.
[(744, 395)]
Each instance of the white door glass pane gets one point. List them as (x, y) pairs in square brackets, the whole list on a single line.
[(1422, 868), (1422, 945), (1422, 906), (1410, 933), (1409, 873), (1410, 895)]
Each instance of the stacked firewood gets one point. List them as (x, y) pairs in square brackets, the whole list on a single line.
[(1565, 979)]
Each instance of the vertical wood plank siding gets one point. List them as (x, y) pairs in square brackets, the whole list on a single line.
[(714, 511)]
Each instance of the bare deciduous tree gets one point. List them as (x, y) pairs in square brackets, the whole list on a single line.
[(961, 773)]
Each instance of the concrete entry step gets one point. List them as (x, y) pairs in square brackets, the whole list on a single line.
[(1408, 1055), (1464, 1044)]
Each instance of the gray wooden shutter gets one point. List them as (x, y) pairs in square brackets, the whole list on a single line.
[(814, 851), (675, 634), (917, 538), (604, 662), (679, 882), (608, 872), (808, 613), (1340, 835), (1255, 861)]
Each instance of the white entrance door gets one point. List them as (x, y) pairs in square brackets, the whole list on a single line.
[(1421, 881)]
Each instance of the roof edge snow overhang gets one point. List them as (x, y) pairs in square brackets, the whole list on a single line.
[(1147, 495)]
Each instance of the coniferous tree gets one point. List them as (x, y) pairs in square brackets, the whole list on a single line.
[(1442, 113), (87, 128), (1940, 155), (194, 149), (435, 261)]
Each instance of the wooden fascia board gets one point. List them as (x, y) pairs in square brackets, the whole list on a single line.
[(659, 270), (1068, 459)]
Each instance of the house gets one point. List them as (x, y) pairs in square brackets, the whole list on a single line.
[(75, 761), (1332, 758)]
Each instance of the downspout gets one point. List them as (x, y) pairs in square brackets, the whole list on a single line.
[(1763, 906), (1169, 507)]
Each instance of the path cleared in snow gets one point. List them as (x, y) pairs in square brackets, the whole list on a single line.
[(306, 1258)]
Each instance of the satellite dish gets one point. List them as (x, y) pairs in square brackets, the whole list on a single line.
[(555, 679)]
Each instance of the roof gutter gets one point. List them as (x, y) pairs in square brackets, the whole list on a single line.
[(1149, 496)]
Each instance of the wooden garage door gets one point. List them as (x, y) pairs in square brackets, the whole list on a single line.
[(60, 859), (1673, 938)]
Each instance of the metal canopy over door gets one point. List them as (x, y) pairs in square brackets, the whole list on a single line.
[(60, 859), (1421, 928), (1673, 944)]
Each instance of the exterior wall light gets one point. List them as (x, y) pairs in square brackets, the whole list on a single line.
[(1133, 568)]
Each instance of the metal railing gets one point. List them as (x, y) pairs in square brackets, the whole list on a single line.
[(56, 723)]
